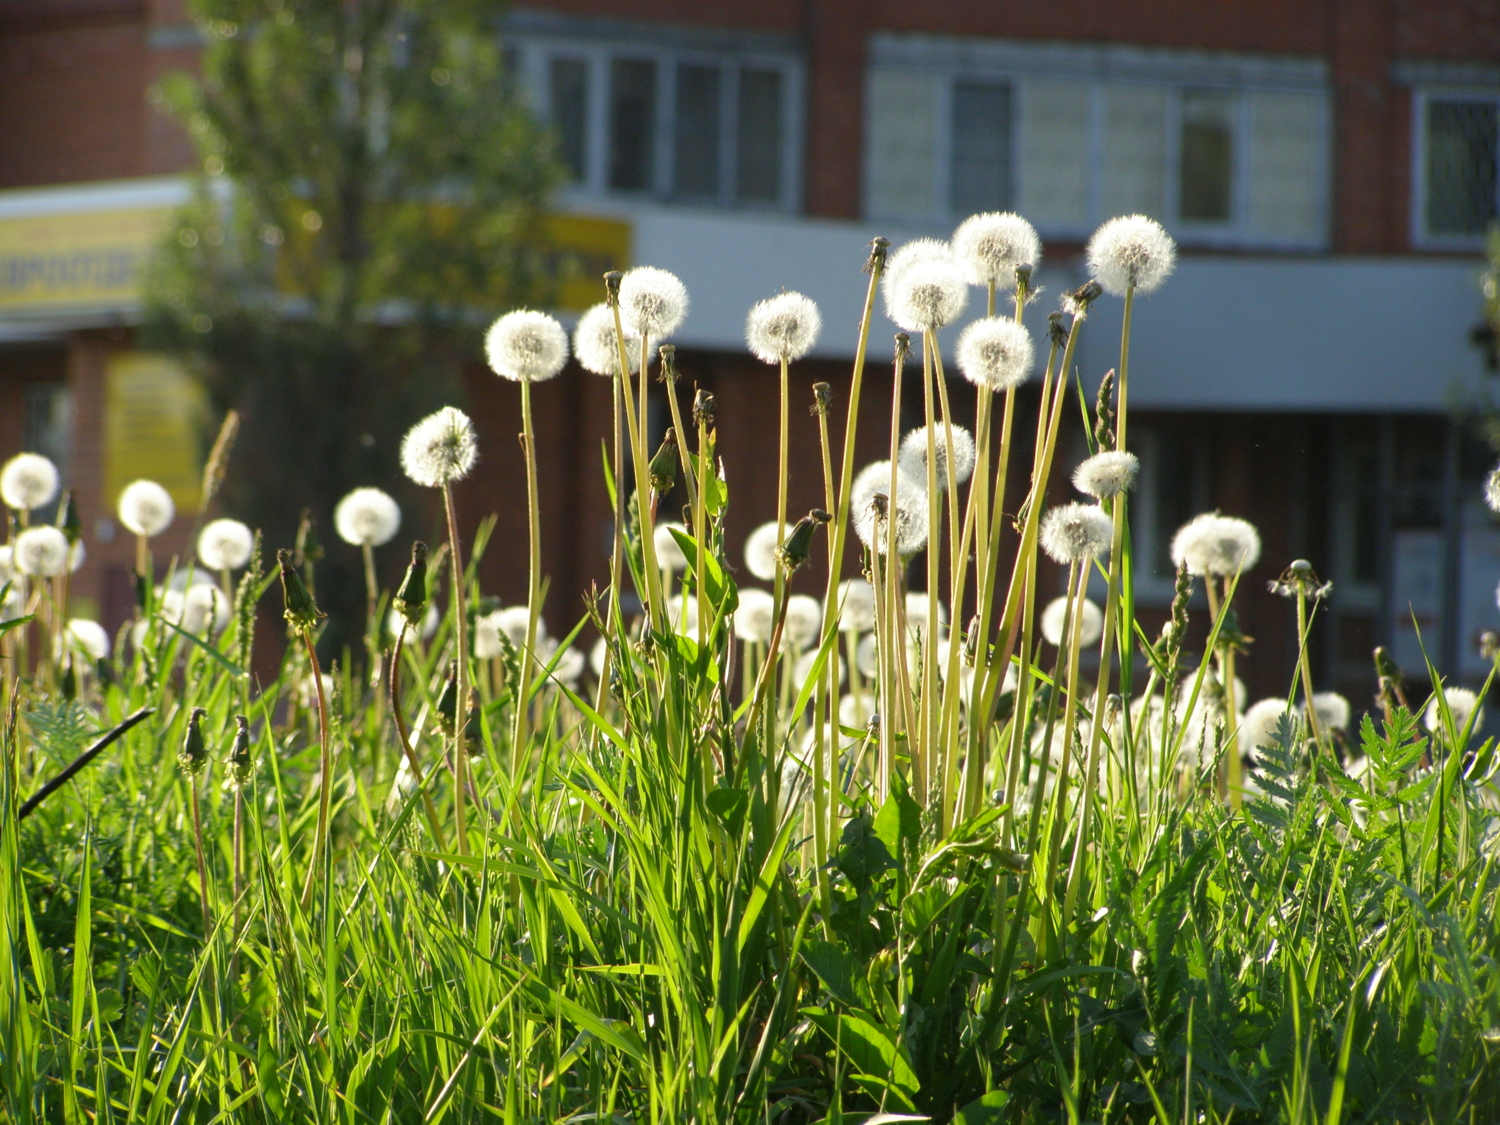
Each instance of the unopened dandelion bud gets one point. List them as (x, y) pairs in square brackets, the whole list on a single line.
[(68, 520), (822, 399), (793, 553), (704, 406), (194, 752), (301, 611), (668, 353), (663, 468), (241, 765), (411, 597)]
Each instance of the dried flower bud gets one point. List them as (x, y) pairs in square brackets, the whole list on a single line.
[(1077, 301), (822, 399), (879, 247), (301, 611), (704, 406), (663, 468), (793, 553), (668, 353), (411, 596), (1057, 331), (241, 765), (612, 287), (194, 753)]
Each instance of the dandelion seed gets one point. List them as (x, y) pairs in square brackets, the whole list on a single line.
[(755, 617), (1462, 703), (1090, 624), (487, 636), (912, 457), (596, 346), (89, 637), (1131, 251), (225, 545), (760, 551), (146, 508), (995, 353), (367, 515), (440, 449), (526, 346), (41, 552), (783, 327), (1261, 726), (1215, 545), (668, 551), (567, 666), (870, 506), (917, 616), (653, 302), (1107, 474), (989, 247), (1332, 710), (804, 618), (926, 294), (513, 622), (856, 602), (1076, 533), (28, 481)]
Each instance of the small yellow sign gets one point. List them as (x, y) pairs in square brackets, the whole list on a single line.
[(153, 416), (87, 259), (584, 249)]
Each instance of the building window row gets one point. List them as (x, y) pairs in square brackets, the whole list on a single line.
[(1457, 158)]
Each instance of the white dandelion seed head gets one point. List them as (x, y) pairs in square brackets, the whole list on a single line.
[(569, 665), (185, 577), (28, 481), (526, 346), (146, 508), (1261, 725), (755, 616), (1332, 710), (597, 655), (596, 346), (1131, 250), (1491, 490), (867, 656), (440, 449), (855, 709), (1076, 532), (912, 456), (909, 254), (918, 615), (653, 302), (682, 612), (197, 609), (41, 552), (77, 555), (395, 623), (487, 632), (7, 563), (1090, 622), (1107, 474), (910, 508), (1461, 704), (804, 666), (1216, 545), (225, 545), (804, 618), (668, 550), (995, 353), (367, 515), (991, 245), (760, 551), (89, 638), (783, 327), (926, 294), (856, 602), (513, 621)]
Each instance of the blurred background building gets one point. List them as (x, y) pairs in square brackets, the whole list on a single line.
[(1329, 168)]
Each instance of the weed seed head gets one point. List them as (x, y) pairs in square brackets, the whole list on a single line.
[(913, 454), (783, 327), (926, 293), (146, 508), (28, 481), (760, 551), (225, 545), (526, 346), (1090, 625), (1462, 703), (41, 552), (1076, 533), (653, 302), (1131, 251), (755, 616), (1218, 546), (856, 602), (367, 515), (991, 245), (995, 353), (596, 345), (1106, 475), (440, 449), (89, 637)]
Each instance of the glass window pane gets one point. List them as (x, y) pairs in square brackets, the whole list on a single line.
[(759, 149), (980, 179), (900, 144), (695, 147), (1054, 172), (1207, 156), (569, 79), (1460, 167), (632, 124)]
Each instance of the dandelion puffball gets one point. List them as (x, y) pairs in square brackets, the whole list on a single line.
[(918, 613), (440, 449), (856, 605), (909, 254), (668, 550), (1076, 532), (1261, 725), (1332, 710), (77, 553), (755, 616), (783, 327), (395, 623), (199, 609), (913, 454), (760, 551), (526, 346), (596, 346), (989, 247), (1107, 474), (225, 545), (487, 636), (872, 526), (1211, 544), (28, 481), (146, 508), (1090, 622), (927, 294), (88, 637), (1131, 252), (1461, 705), (653, 302), (995, 353), (367, 515), (804, 617), (567, 665), (41, 552)]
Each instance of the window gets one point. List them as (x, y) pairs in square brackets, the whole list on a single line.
[(759, 149), (1206, 165), (1457, 155), (696, 154), (979, 179), (632, 124), (1175, 484), (569, 89)]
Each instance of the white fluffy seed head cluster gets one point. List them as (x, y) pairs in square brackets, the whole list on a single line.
[(1332, 710), (28, 481), (653, 302), (912, 457), (995, 353), (440, 449), (991, 245), (760, 551), (1491, 490), (89, 638), (367, 515), (668, 550), (1461, 705), (924, 288), (199, 609), (1090, 623), (1076, 532), (919, 613), (783, 327), (804, 618), (755, 616), (1261, 725), (1216, 546), (1107, 474), (146, 508), (856, 602), (77, 553), (41, 552), (596, 345), (225, 545), (526, 346), (909, 505), (395, 623), (1131, 251)]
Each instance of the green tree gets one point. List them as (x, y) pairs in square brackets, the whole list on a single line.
[(371, 192)]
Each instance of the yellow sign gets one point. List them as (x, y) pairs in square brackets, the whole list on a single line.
[(153, 412), (85, 259), (584, 249)]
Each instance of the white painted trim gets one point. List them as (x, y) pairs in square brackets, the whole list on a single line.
[(108, 195)]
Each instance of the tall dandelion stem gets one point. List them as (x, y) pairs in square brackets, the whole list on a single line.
[(461, 642), (533, 594), (325, 770)]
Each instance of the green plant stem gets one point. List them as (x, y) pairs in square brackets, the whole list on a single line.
[(683, 455), (325, 771), (405, 737), (1304, 666), (461, 703), (931, 793), (198, 852), (782, 469), (522, 734)]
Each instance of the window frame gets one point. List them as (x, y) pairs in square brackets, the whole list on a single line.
[(1421, 238)]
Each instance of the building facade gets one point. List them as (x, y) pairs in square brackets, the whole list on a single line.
[(1330, 170)]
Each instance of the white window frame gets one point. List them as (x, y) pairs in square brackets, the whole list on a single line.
[(1421, 98)]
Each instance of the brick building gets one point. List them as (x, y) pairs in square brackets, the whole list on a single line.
[(1329, 168)]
